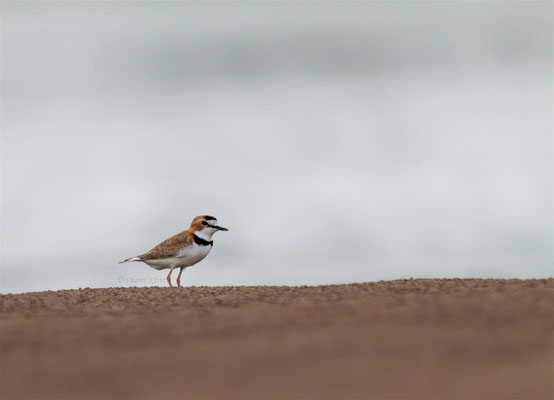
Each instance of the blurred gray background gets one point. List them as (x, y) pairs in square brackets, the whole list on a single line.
[(338, 142)]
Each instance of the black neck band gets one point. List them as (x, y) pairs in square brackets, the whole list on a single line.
[(202, 242)]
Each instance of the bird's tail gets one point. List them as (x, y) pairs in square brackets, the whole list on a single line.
[(137, 258)]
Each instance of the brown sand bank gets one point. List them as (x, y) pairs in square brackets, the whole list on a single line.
[(414, 339)]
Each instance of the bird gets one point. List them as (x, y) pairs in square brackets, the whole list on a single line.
[(184, 249)]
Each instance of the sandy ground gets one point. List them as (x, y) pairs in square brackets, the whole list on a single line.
[(409, 339)]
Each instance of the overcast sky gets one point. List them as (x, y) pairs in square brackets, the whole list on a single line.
[(339, 143)]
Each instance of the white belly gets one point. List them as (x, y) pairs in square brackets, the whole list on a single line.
[(185, 258)]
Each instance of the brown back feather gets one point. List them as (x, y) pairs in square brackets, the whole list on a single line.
[(169, 247)]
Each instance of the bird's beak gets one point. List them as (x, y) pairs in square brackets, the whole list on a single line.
[(220, 228)]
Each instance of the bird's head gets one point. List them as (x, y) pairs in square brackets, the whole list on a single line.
[(205, 226)]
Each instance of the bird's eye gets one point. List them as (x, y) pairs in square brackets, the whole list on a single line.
[(204, 223)]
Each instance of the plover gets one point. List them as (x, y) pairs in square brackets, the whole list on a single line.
[(184, 249)]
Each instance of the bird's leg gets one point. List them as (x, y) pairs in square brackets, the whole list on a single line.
[(169, 277), (179, 277)]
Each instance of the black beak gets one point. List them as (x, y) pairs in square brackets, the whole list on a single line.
[(220, 228)]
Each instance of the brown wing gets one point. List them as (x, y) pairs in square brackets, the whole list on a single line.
[(169, 247)]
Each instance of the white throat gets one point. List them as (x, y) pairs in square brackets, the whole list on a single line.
[(205, 234)]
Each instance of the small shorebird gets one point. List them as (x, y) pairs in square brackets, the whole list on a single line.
[(184, 249)]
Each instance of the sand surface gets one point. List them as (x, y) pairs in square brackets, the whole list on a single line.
[(409, 339)]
